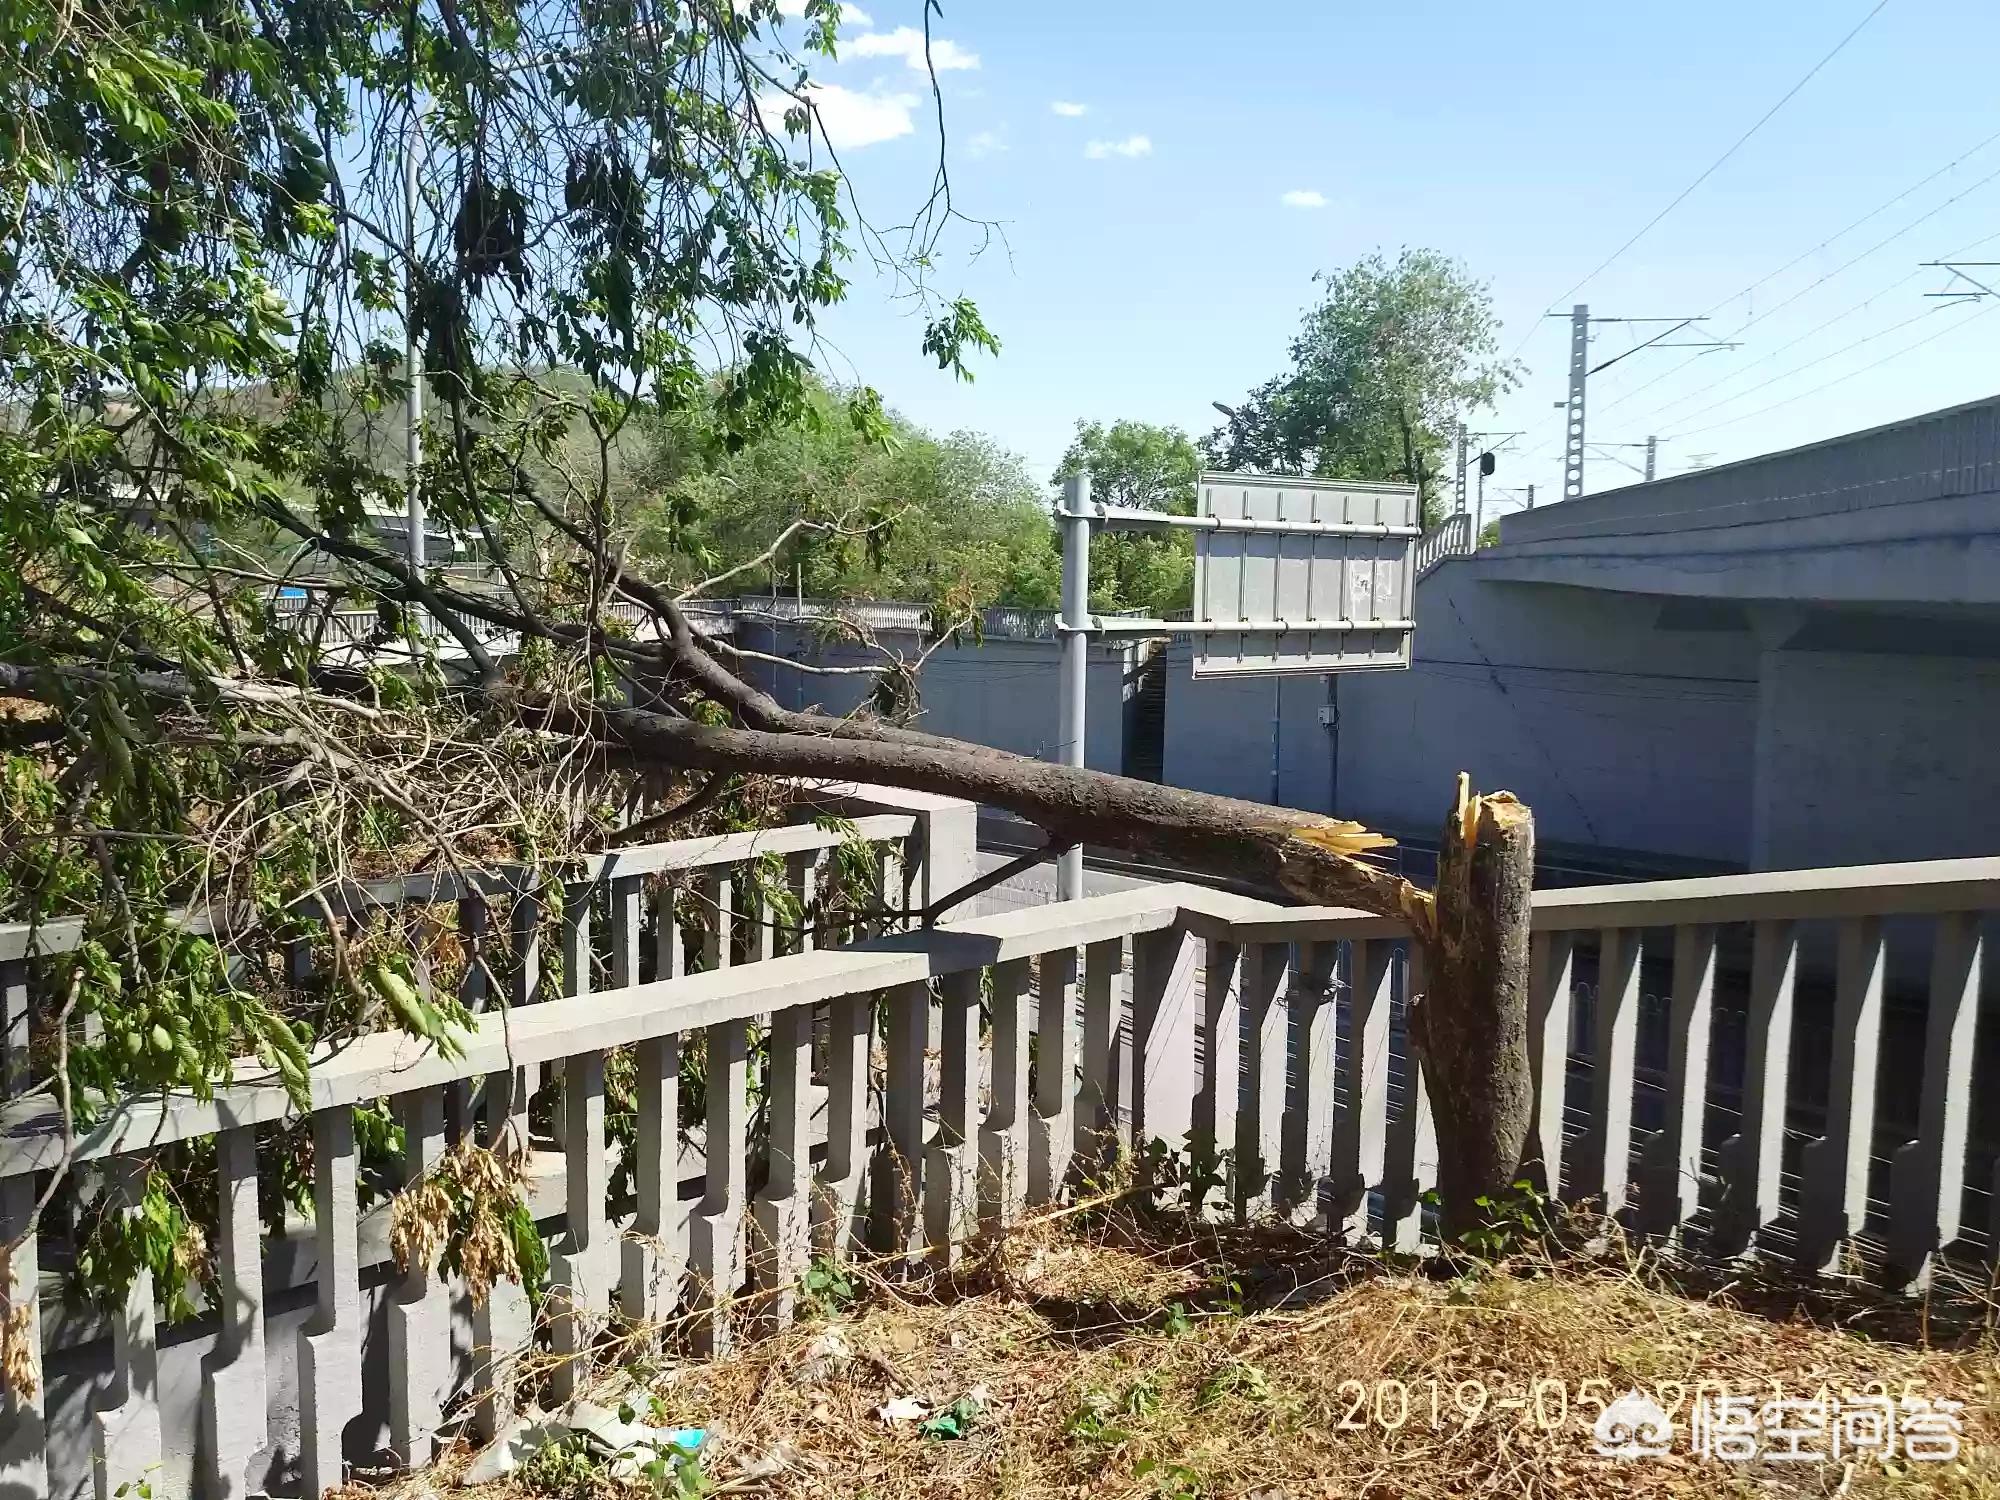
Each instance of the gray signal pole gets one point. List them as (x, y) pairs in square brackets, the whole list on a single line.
[(1579, 371), (1076, 519), (1458, 486), (413, 409), (1652, 457)]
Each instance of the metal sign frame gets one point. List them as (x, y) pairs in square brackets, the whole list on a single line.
[(1303, 577), (1316, 537)]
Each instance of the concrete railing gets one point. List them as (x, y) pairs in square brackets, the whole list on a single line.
[(1265, 1036), (1451, 537)]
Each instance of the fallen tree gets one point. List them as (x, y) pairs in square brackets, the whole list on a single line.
[(210, 416)]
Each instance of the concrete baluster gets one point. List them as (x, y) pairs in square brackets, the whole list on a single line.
[(1003, 1140), (1217, 1091), (1927, 1177), (715, 1232), (419, 1311), (1833, 1177), (1361, 1132), (24, 1470), (784, 1210), (1551, 969), (1753, 1158), (656, 1248), (1307, 1148), (951, 1176), (1262, 1102), (1053, 1128), (330, 1346)]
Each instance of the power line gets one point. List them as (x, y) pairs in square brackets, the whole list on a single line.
[(1813, 286), (1818, 359), (1820, 327), (1879, 209), (1839, 270), (1763, 359), (1709, 171), (1893, 354)]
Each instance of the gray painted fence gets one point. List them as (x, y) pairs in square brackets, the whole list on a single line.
[(1302, 1081)]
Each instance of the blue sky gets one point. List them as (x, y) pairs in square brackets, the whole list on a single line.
[(1150, 261)]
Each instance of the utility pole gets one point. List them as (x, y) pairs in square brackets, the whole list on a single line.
[(1652, 457), (1581, 369), (413, 402), (1076, 516), (1579, 373), (1531, 497), (1458, 487), (1479, 505)]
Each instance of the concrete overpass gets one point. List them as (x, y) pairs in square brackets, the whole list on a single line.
[(1789, 661)]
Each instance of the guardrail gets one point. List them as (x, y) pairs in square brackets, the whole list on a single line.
[(1451, 537), (1300, 1084)]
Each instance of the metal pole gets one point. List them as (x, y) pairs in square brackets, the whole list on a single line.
[(1479, 508), (1531, 497), (413, 456), (1458, 487), (1579, 371), (1652, 455), (1075, 653)]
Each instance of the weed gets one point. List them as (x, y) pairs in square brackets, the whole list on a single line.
[(1170, 1481), (1515, 1219), (827, 1288)]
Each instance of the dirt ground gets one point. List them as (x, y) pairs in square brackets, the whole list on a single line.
[(1106, 1356)]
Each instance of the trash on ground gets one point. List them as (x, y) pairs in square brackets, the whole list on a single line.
[(628, 1444), (518, 1441), (780, 1458), (824, 1358), (957, 1419), (903, 1409)]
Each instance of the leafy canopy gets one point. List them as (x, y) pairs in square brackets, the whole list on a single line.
[(204, 297), (1394, 355), (1142, 467), (951, 521)]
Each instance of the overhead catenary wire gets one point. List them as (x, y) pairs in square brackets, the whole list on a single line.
[(1839, 270), (1713, 167), (1877, 247), (1654, 414), (1892, 355), (1800, 369)]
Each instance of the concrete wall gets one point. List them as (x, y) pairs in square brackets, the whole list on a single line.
[(1775, 736), (1863, 758), (1259, 738), (1628, 726), (1002, 693)]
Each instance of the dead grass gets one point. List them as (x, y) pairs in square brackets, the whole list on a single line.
[(1120, 1361)]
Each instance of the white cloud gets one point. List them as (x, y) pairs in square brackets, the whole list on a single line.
[(1068, 110), (850, 120), (850, 15), (986, 143), (1132, 145), (1304, 198), (907, 43)]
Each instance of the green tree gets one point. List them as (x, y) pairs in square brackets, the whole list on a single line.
[(1143, 467), (953, 521), (204, 285), (1394, 355)]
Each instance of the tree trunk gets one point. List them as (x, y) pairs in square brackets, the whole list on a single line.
[(1471, 1027)]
